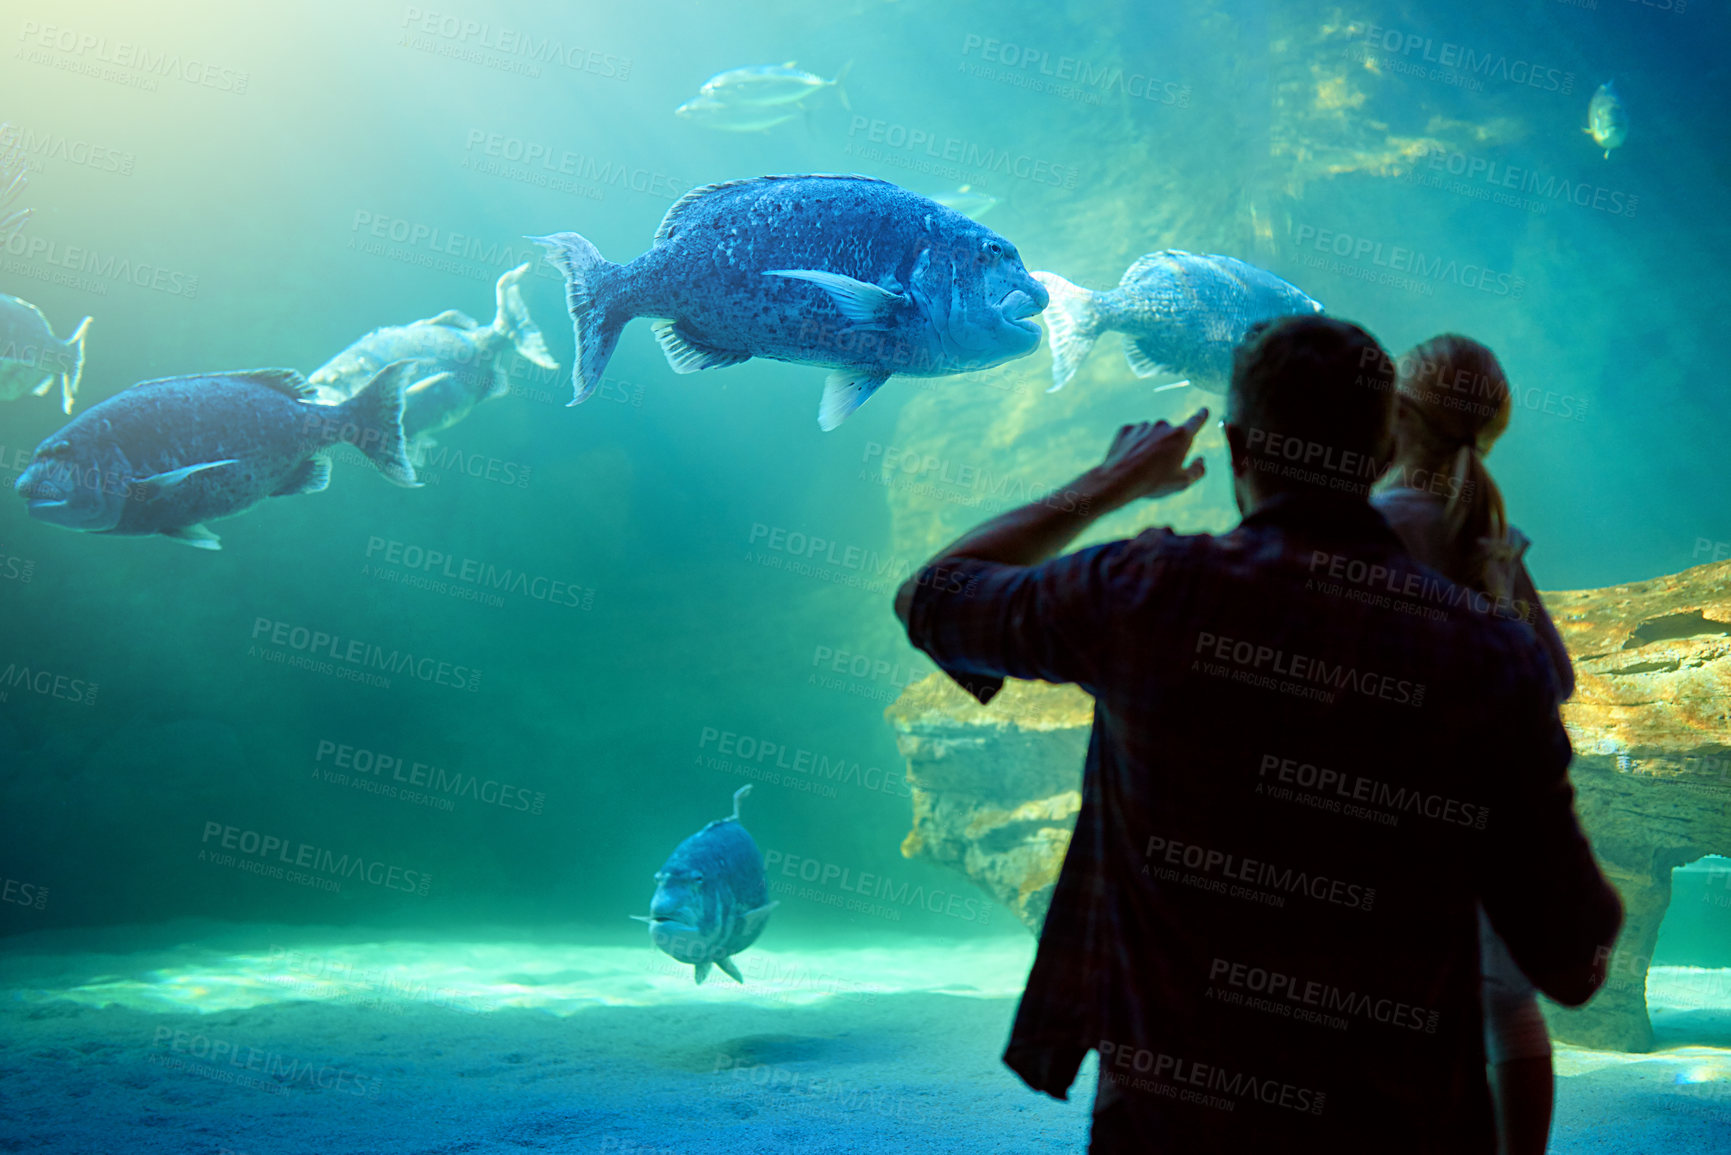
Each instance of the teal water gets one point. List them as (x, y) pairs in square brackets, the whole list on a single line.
[(224, 187)]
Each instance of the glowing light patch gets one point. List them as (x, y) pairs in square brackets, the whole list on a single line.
[(472, 977)]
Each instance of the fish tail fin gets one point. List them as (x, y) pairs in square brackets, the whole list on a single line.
[(840, 92), (1073, 325), (586, 292), (513, 321), (69, 381), (372, 421)]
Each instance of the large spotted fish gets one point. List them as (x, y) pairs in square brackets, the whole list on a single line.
[(852, 273)]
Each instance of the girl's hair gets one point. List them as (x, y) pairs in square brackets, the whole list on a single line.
[(1453, 403)]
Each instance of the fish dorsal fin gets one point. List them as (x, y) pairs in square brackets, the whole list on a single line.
[(1148, 262), (453, 319), (288, 382), (671, 220), (684, 203)]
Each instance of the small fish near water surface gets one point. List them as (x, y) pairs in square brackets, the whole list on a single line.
[(711, 897), (851, 273), (165, 456), (770, 84), (757, 98)]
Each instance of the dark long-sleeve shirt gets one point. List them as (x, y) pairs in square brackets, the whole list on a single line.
[(1310, 759)]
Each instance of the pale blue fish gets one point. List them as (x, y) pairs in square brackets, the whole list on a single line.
[(165, 456), (707, 112), (848, 272), (457, 363), (1181, 314), (711, 897), (1607, 119), (32, 358), (771, 84)]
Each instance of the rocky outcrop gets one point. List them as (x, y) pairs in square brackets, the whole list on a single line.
[(996, 788)]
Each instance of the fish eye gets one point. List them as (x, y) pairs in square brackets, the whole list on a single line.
[(992, 249)]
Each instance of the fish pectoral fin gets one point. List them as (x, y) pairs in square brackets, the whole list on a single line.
[(43, 386), (1184, 384), (427, 383), (686, 354), (640, 917), (752, 921), (732, 972), (701, 972), (158, 484), (197, 536), (844, 391), (1142, 363), (859, 302), (309, 476)]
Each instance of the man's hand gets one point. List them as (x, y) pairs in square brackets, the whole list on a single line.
[(1146, 460)]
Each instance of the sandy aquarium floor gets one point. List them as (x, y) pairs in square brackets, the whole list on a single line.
[(258, 1040)]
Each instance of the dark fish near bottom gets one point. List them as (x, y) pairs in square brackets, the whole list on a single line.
[(711, 897), (166, 456)]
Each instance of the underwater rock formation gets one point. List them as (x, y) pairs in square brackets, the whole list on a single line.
[(996, 788)]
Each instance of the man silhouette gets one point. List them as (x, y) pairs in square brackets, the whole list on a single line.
[(1311, 757)]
